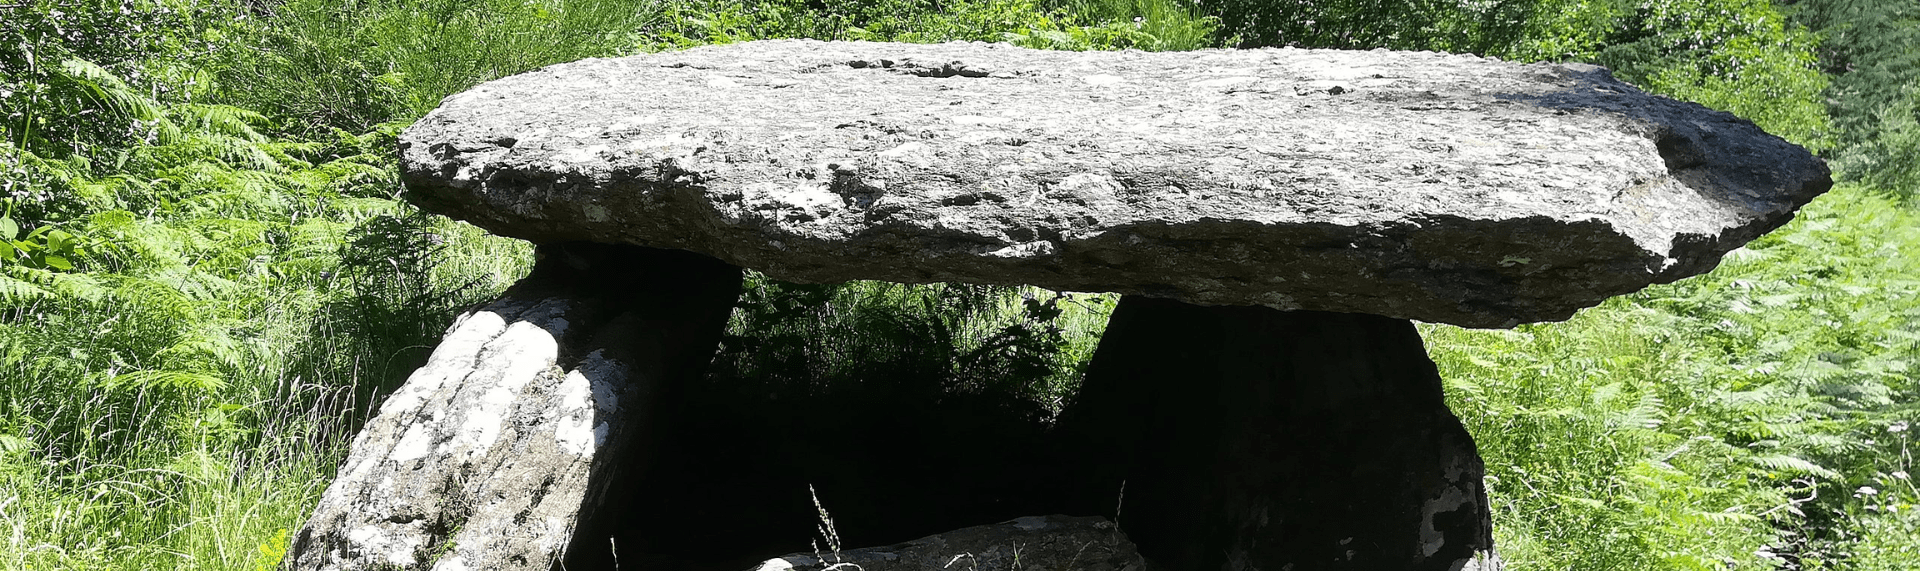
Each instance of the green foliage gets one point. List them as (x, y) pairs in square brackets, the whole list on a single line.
[(170, 369), (1016, 345), (1890, 157), (1726, 421), (1740, 56), (1155, 25), (76, 74), (1872, 50), (1151, 25), (1486, 28), (354, 64)]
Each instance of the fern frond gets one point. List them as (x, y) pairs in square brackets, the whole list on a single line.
[(206, 346), (195, 285), (155, 296), (242, 201), (10, 444), (1793, 465), (1824, 442), (1646, 413), (141, 241), (283, 153), (220, 119), (357, 208), (238, 152), (1722, 517), (178, 380), (114, 93), (319, 234), (79, 286), (14, 291), (344, 174)]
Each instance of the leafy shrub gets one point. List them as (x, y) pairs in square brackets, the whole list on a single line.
[(1890, 159), (79, 74), (1740, 56), (1083, 25), (1485, 28), (1867, 47)]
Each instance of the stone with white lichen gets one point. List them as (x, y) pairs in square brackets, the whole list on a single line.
[(1445, 188), (498, 450)]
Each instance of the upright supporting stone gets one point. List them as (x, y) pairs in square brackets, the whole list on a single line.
[(1252, 438), (495, 452)]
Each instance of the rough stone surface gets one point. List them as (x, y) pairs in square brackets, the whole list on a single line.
[(1244, 438), (498, 450), (1034, 543), (1438, 187)]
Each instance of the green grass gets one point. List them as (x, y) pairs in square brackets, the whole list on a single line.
[(356, 63)]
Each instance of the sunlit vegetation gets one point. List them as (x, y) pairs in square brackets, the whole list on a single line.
[(207, 278)]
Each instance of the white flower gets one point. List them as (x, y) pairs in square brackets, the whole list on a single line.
[(1865, 491), (1897, 426), (1900, 474)]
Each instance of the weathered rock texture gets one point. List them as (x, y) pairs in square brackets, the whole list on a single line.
[(493, 454), (1243, 438), (1437, 187), (1034, 543)]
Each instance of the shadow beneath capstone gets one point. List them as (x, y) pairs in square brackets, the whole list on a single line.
[(894, 450), (733, 486)]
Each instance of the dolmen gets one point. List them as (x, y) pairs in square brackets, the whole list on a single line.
[(1275, 220)]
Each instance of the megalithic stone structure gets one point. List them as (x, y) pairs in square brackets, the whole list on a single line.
[(1274, 218)]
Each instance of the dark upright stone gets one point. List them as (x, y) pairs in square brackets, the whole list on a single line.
[(1253, 438)]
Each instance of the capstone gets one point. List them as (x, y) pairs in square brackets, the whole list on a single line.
[(1444, 188)]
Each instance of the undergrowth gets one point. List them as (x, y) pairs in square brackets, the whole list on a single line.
[(1754, 417)]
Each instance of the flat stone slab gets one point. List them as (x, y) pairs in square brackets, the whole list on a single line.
[(1032, 543), (1443, 188)]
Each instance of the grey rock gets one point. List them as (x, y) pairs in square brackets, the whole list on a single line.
[(497, 451), (1033, 543), (1443, 188)]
